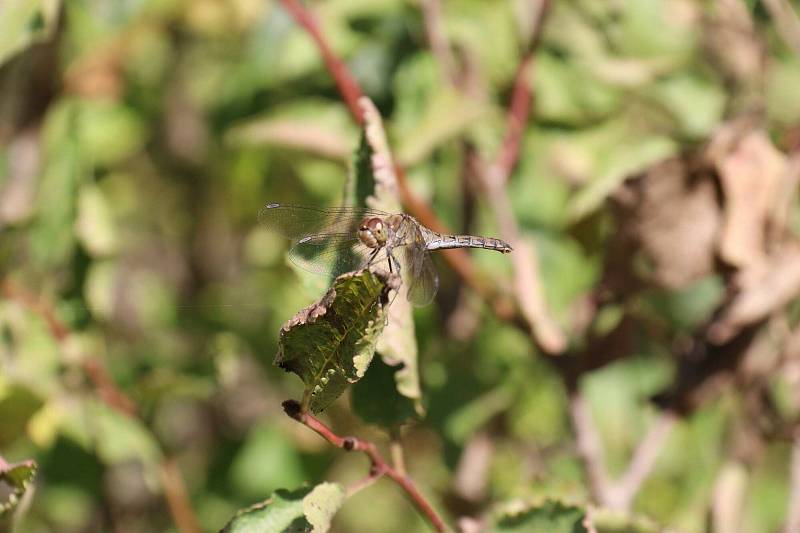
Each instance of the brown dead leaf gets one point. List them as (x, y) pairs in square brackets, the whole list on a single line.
[(763, 288), (675, 218), (751, 173)]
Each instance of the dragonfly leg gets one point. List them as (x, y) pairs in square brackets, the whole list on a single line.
[(372, 256), (392, 259)]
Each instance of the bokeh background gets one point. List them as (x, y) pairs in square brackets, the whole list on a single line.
[(638, 351)]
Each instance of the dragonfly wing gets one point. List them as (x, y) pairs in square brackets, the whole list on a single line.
[(297, 221), (329, 254), (420, 271)]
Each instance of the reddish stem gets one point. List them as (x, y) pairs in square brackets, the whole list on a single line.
[(347, 84), (379, 465), (518, 109), (521, 98)]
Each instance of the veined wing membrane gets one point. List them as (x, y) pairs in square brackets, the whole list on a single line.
[(419, 271), (298, 221), (332, 255)]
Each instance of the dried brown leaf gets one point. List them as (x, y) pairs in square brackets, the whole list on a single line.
[(675, 219), (763, 288), (751, 174)]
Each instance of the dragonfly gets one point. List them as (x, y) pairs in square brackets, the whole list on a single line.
[(332, 241)]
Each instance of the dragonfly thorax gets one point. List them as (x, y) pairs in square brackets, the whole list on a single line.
[(373, 232)]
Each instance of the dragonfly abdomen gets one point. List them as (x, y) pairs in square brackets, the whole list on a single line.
[(438, 241)]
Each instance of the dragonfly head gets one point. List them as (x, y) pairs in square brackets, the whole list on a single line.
[(372, 232)]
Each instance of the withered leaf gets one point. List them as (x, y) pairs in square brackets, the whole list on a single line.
[(763, 288), (675, 219), (330, 344), (17, 477), (751, 172)]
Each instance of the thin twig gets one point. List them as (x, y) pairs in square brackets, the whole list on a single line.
[(347, 84), (495, 175), (361, 484), (589, 447), (624, 490), (535, 316), (619, 494), (379, 465), (728, 497), (396, 451), (178, 497), (522, 93), (432, 17)]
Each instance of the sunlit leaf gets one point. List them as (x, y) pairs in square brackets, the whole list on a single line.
[(307, 509), (548, 517), (17, 477), (448, 115), (376, 399), (620, 164), (331, 343), (24, 22), (398, 344)]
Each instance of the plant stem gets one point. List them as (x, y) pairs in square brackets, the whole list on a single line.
[(379, 465)]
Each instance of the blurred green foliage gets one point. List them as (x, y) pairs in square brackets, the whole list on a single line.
[(138, 141)]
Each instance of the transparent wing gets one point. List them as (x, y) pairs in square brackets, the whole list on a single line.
[(418, 269), (297, 221), (332, 255)]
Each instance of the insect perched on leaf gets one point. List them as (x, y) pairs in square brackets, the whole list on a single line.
[(336, 240)]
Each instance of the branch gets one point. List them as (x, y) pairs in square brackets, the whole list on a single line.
[(619, 494), (590, 449), (345, 82), (175, 492), (432, 17), (644, 459), (379, 465), (495, 175)]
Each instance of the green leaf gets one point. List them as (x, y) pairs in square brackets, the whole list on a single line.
[(17, 405), (52, 238), (619, 165), (120, 437), (361, 180), (95, 226), (268, 459), (448, 114), (607, 521), (697, 104), (376, 399), (17, 477), (25, 22), (398, 344), (331, 343), (300, 510), (109, 132), (548, 517)]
